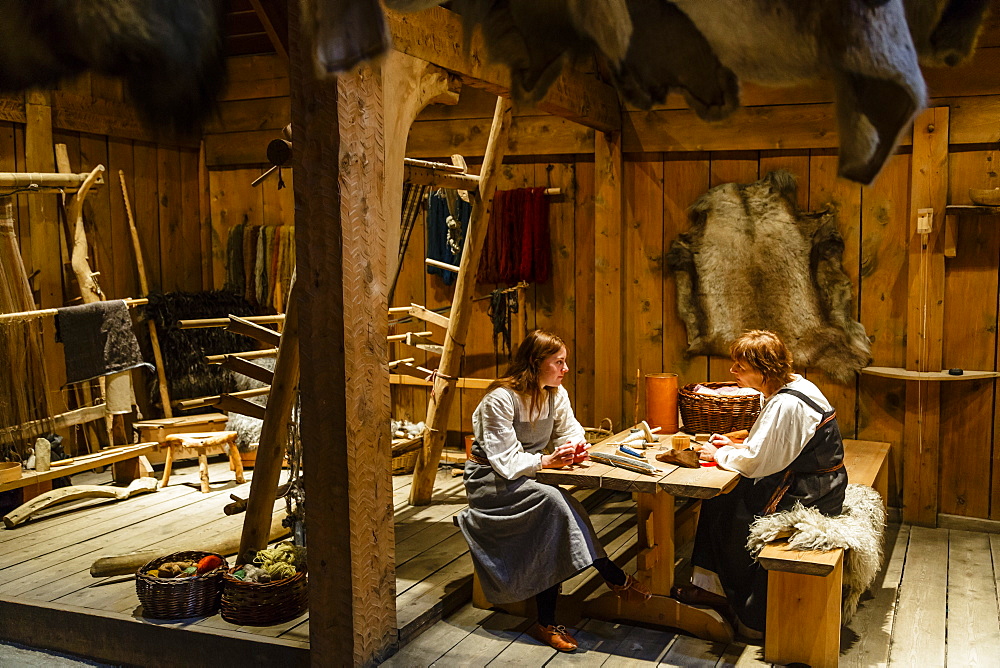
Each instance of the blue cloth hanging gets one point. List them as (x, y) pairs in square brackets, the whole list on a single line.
[(437, 234)]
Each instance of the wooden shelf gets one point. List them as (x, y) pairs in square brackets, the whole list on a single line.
[(906, 374), (972, 210)]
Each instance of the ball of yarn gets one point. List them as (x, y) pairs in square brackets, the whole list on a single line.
[(282, 561)]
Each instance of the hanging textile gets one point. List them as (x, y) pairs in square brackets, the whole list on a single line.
[(503, 303), (517, 246), (437, 233), (235, 278), (259, 264)]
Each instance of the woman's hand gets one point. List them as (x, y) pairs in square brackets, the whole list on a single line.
[(706, 453), (719, 441), (560, 457)]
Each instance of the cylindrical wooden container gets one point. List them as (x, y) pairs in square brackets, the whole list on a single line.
[(661, 401)]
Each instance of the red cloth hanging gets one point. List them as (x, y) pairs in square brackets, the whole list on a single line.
[(517, 244)]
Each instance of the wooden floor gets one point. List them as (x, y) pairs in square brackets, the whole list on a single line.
[(48, 559), (935, 604)]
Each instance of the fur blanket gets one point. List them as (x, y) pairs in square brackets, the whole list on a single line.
[(859, 530), (753, 261)]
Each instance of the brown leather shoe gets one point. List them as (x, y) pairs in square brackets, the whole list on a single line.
[(555, 636), (632, 591), (692, 595)]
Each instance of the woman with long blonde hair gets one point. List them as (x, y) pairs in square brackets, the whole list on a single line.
[(526, 537)]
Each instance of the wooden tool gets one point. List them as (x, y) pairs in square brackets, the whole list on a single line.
[(621, 461), (66, 494)]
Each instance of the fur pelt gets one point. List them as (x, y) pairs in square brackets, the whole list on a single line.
[(248, 428), (184, 350), (859, 530), (751, 260), (945, 31), (168, 51), (864, 47)]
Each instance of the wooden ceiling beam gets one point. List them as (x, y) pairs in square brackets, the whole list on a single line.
[(435, 35), (275, 24)]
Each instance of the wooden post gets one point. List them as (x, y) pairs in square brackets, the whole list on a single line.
[(443, 392), (608, 168), (925, 317), (273, 436), (341, 300), (45, 255), (154, 338)]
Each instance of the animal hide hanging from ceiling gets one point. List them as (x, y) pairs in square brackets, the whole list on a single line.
[(752, 260)]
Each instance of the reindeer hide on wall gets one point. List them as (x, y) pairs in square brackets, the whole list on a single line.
[(752, 260)]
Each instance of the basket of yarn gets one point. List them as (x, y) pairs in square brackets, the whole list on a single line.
[(706, 410), (269, 591), (182, 584)]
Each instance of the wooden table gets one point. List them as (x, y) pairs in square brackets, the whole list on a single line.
[(655, 508)]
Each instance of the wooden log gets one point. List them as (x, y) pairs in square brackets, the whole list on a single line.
[(242, 326), (154, 337), (58, 181), (201, 402), (239, 504), (89, 289), (443, 393), (74, 492), (249, 355), (273, 434), (231, 404), (126, 564), (224, 322), (70, 418), (249, 369)]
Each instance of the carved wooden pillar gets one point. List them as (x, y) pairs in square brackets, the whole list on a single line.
[(342, 317)]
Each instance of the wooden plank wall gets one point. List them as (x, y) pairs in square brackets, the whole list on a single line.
[(91, 116)]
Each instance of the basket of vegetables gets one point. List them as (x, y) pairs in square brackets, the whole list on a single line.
[(182, 584)]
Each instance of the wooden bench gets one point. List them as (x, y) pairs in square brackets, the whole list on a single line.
[(127, 463), (804, 587)]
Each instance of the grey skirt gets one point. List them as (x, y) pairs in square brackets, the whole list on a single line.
[(524, 536)]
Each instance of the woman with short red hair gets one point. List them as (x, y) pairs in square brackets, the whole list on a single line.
[(794, 454)]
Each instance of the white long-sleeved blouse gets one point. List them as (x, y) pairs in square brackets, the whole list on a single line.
[(493, 429), (782, 429)]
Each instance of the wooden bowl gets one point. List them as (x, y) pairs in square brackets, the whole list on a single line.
[(985, 197), (9, 471)]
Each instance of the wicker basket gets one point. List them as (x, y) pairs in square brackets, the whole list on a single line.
[(177, 598), (404, 454), (263, 603), (597, 434), (716, 414)]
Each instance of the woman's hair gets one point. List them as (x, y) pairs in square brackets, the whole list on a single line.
[(523, 373), (764, 352)]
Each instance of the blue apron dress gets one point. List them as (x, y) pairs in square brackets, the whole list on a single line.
[(524, 536)]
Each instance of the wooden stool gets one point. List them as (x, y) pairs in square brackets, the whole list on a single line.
[(203, 444)]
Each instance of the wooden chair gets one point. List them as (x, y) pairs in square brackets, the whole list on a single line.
[(202, 444)]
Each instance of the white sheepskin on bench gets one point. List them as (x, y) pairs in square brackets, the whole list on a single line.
[(859, 530)]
